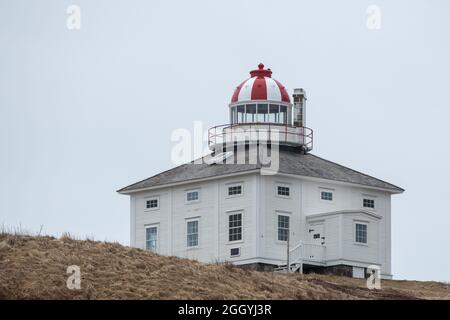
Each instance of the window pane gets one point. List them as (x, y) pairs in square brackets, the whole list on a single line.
[(274, 113), (152, 203), (361, 233), (283, 227), (192, 195), (369, 203), (234, 190), (241, 114), (151, 238), (192, 233), (233, 115), (325, 195), (250, 113), (234, 251), (283, 191), (262, 113), (235, 227), (283, 114)]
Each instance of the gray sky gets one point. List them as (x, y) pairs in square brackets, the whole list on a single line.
[(85, 112)]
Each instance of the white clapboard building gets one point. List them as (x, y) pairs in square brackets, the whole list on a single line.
[(329, 218)]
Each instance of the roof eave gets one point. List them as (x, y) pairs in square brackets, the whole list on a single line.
[(168, 185), (396, 190)]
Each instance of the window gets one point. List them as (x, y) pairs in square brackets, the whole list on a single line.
[(283, 227), (262, 113), (192, 233), (283, 191), (192, 196), (235, 227), (241, 114), (326, 195), (233, 115), (235, 190), (151, 238), (283, 114), (360, 233), (152, 203), (274, 110), (250, 113), (234, 252), (369, 203)]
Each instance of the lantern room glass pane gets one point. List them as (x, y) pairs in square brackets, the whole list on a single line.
[(262, 113), (250, 112), (273, 113), (283, 114), (240, 114), (233, 116)]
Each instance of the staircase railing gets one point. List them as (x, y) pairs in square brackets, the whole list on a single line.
[(303, 253)]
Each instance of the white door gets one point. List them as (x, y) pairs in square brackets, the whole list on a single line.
[(316, 233)]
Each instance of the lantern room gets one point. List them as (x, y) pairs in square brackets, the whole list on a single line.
[(260, 99), (261, 111)]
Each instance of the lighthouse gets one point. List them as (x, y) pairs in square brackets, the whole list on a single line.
[(310, 214)]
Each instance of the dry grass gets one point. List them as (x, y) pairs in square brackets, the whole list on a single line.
[(34, 267)]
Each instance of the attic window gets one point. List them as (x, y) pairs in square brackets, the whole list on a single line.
[(192, 196), (235, 190), (283, 191), (152, 203), (369, 203), (326, 195)]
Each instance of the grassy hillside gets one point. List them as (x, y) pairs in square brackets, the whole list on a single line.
[(35, 268)]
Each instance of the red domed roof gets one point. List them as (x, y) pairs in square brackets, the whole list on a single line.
[(261, 86)]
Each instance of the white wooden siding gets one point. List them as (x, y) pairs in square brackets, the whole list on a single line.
[(260, 205)]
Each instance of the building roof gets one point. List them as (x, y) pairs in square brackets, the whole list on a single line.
[(291, 162), (260, 86)]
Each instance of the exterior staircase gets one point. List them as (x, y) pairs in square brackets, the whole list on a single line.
[(303, 253)]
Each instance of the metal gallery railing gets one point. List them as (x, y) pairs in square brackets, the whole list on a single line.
[(256, 131)]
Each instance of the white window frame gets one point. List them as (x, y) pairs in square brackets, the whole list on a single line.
[(230, 213), (198, 233), (149, 198), (368, 197), (235, 184), (192, 201), (285, 214), (149, 226), (333, 194), (367, 233), (283, 185)]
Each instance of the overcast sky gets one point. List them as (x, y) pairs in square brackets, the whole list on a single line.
[(86, 112)]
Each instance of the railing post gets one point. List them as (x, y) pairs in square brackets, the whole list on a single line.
[(301, 258), (288, 260)]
